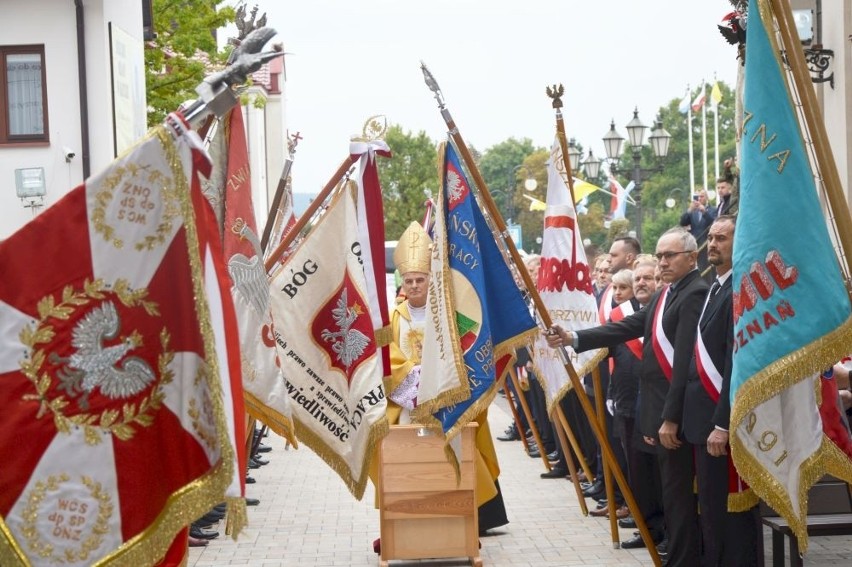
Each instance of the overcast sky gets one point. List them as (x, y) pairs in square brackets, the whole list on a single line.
[(493, 59)]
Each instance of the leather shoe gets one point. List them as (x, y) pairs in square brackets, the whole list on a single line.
[(534, 454), (509, 436), (197, 542), (633, 543), (252, 501), (622, 512), (555, 473), (250, 480), (197, 532), (595, 490), (627, 522), (600, 512), (260, 461), (264, 448), (553, 456)]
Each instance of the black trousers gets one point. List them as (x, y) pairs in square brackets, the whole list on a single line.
[(728, 538), (679, 504)]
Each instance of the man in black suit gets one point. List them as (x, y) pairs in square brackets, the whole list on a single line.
[(668, 326), (729, 538), (723, 192)]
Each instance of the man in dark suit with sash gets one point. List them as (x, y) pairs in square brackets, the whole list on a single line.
[(730, 522), (668, 326)]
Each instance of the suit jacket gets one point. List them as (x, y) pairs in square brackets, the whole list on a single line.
[(660, 400), (701, 413), (699, 222)]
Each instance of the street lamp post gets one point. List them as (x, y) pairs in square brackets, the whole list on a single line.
[(659, 140)]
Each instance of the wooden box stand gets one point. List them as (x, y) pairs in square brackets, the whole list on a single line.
[(423, 513)]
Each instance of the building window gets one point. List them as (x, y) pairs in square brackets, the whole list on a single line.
[(23, 94)]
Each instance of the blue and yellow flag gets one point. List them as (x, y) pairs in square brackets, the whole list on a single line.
[(472, 283), (791, 310)]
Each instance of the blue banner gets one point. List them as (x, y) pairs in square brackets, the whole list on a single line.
[(491, 314), (791, 309)]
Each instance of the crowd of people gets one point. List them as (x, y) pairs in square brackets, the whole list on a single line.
[(668, 326)]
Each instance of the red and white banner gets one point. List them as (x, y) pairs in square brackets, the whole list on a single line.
[(564, 282), (263, 382), (327, 344), (115, 366)]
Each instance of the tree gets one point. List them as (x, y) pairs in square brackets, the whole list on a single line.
[(673, 180), (184, 51), (408, 178), (497, 166)]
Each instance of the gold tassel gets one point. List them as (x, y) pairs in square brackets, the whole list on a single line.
[(236, 516)]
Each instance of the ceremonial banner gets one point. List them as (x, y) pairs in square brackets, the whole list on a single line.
[(263, 382), (564, 284), (791, 310), (110, 360), (582, 189), (371, 235), (327, 345), (476, 314)]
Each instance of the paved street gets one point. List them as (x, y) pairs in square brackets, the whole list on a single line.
[(307, 517)]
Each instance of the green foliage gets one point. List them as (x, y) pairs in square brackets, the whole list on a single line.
[(183, 52), (675, 175), (407, 179), (497, 166)]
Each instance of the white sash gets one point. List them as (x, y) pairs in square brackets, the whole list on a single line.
[(663, 348)]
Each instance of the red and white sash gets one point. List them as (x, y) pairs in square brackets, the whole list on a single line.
[(620, 312), (605, 307), (710, 376), (663, 348)]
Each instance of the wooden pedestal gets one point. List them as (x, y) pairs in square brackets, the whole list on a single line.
[(423, 513)]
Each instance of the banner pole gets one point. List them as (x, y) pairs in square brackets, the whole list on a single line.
[(542, 311), (318, 201)]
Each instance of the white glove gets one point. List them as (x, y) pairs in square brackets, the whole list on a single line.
[(610, 406), (405, 394)]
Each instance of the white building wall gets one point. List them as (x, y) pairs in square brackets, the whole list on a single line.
[(52, 23), (837, 102)]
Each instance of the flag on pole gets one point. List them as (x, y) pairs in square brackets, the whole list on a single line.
[(684, 105), (791, 309), (700, 99), (116, 364), (263, 382), (564, 284), (327, 344), (481, 315), (535, 204), (620, 196), (583, 189), (715, 96)]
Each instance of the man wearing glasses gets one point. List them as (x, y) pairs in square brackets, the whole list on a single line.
[(667, 325)]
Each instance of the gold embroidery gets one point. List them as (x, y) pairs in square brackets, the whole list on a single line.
[(114, 421), (202, 417), (68, 520), (136, 203)]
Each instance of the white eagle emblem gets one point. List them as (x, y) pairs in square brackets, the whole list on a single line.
[(455, 186), (349, 344), (96, 365)]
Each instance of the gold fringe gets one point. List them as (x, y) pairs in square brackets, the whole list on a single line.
[(742, 501), (804, 363), (384, 336), (277, 422), (356, 486), (236, 516)]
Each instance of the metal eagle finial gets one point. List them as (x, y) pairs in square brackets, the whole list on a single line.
[(432, 84), (555, 92)]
